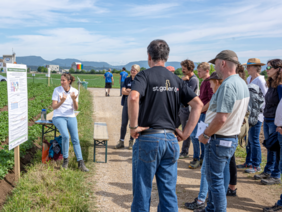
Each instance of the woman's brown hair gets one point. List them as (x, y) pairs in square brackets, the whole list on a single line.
[(68, 76), (276, 64), (241, 72), (217, 80)]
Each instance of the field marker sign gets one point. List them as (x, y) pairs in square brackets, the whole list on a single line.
[(17, 110)]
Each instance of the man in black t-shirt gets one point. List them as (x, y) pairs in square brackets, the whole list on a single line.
[(155, 152)]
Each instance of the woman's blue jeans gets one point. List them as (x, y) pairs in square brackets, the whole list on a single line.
[(65, 126), (155, 155), (253, 148), (196, 143), (272, 165)]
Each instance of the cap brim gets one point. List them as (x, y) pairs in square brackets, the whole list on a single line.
[(212, 61)]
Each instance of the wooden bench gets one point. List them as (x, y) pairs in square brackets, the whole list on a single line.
[(101, 138)]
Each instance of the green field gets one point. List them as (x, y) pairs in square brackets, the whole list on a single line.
[(94, 80)]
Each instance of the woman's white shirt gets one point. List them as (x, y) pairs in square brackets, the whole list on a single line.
[(278, 115), (67, 108), (260, 81)]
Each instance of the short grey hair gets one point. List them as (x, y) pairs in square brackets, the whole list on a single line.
[(158, 50)]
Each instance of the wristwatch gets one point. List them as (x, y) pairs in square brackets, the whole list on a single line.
[(133, 128), (206, 136)]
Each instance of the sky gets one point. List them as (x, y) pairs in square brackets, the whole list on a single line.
[(119, 31)]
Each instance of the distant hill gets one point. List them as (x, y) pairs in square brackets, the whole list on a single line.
[(35, 61)]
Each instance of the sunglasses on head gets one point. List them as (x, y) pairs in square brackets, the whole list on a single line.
[(269, 67)]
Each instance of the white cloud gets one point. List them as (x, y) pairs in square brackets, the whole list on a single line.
[(75, 42), (150, 10), (40, 13)]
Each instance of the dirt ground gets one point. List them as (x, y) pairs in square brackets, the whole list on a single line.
[(113, 180)]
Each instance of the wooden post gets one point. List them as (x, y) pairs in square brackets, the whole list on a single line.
[(17, 163)]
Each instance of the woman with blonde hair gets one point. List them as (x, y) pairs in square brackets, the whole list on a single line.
[(125, 92)]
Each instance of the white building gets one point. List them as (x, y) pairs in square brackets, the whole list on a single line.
[(53, 67), (9, 58)]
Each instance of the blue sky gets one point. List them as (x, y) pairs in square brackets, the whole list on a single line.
[(119, 31)]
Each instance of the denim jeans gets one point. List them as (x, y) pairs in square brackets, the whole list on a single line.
[(253, 148), (155, 155), (280, 201), (196, 143), (183, 116), (217, 156), (65, 126), (204, 184), (280, 142), (121, 85), (272, 165)]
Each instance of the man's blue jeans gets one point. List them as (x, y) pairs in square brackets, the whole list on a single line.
[(217, 154), (204, 184), (272, 165), (155, 155), (121, 85), (196, 143), (253, 148), (65, 126)]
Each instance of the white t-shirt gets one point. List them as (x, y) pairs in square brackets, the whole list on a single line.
[(231, 97), (278, 115), (66, 109), (259, 81)]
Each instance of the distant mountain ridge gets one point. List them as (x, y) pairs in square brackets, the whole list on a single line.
[(66, 63)]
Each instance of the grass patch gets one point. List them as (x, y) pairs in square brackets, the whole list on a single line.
[(47, 188)]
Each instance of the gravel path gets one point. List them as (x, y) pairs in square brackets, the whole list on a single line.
[(113, 181)]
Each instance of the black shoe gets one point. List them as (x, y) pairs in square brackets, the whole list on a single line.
[(193, 161), (194, 205), (183, 155), (261, 176), (82, 166), (200, 210), (271, 181), (231, 193), (108, 94), (275, 208), (65, 163)]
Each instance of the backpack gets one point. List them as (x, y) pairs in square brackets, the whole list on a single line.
[(255, 103)]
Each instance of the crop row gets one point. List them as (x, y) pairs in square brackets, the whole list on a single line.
[(42, 99), (7, 157)]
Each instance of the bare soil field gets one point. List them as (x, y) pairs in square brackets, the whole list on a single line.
[(113, 180)]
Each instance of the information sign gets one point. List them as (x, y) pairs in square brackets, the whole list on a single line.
[(17, 104)]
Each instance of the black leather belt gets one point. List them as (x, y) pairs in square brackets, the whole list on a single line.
[(155, 131), (215, 136)]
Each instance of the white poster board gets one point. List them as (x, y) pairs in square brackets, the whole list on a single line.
[(17, 104), (49, 72)]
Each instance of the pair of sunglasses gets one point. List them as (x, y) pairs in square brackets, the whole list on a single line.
[(269, 67)]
